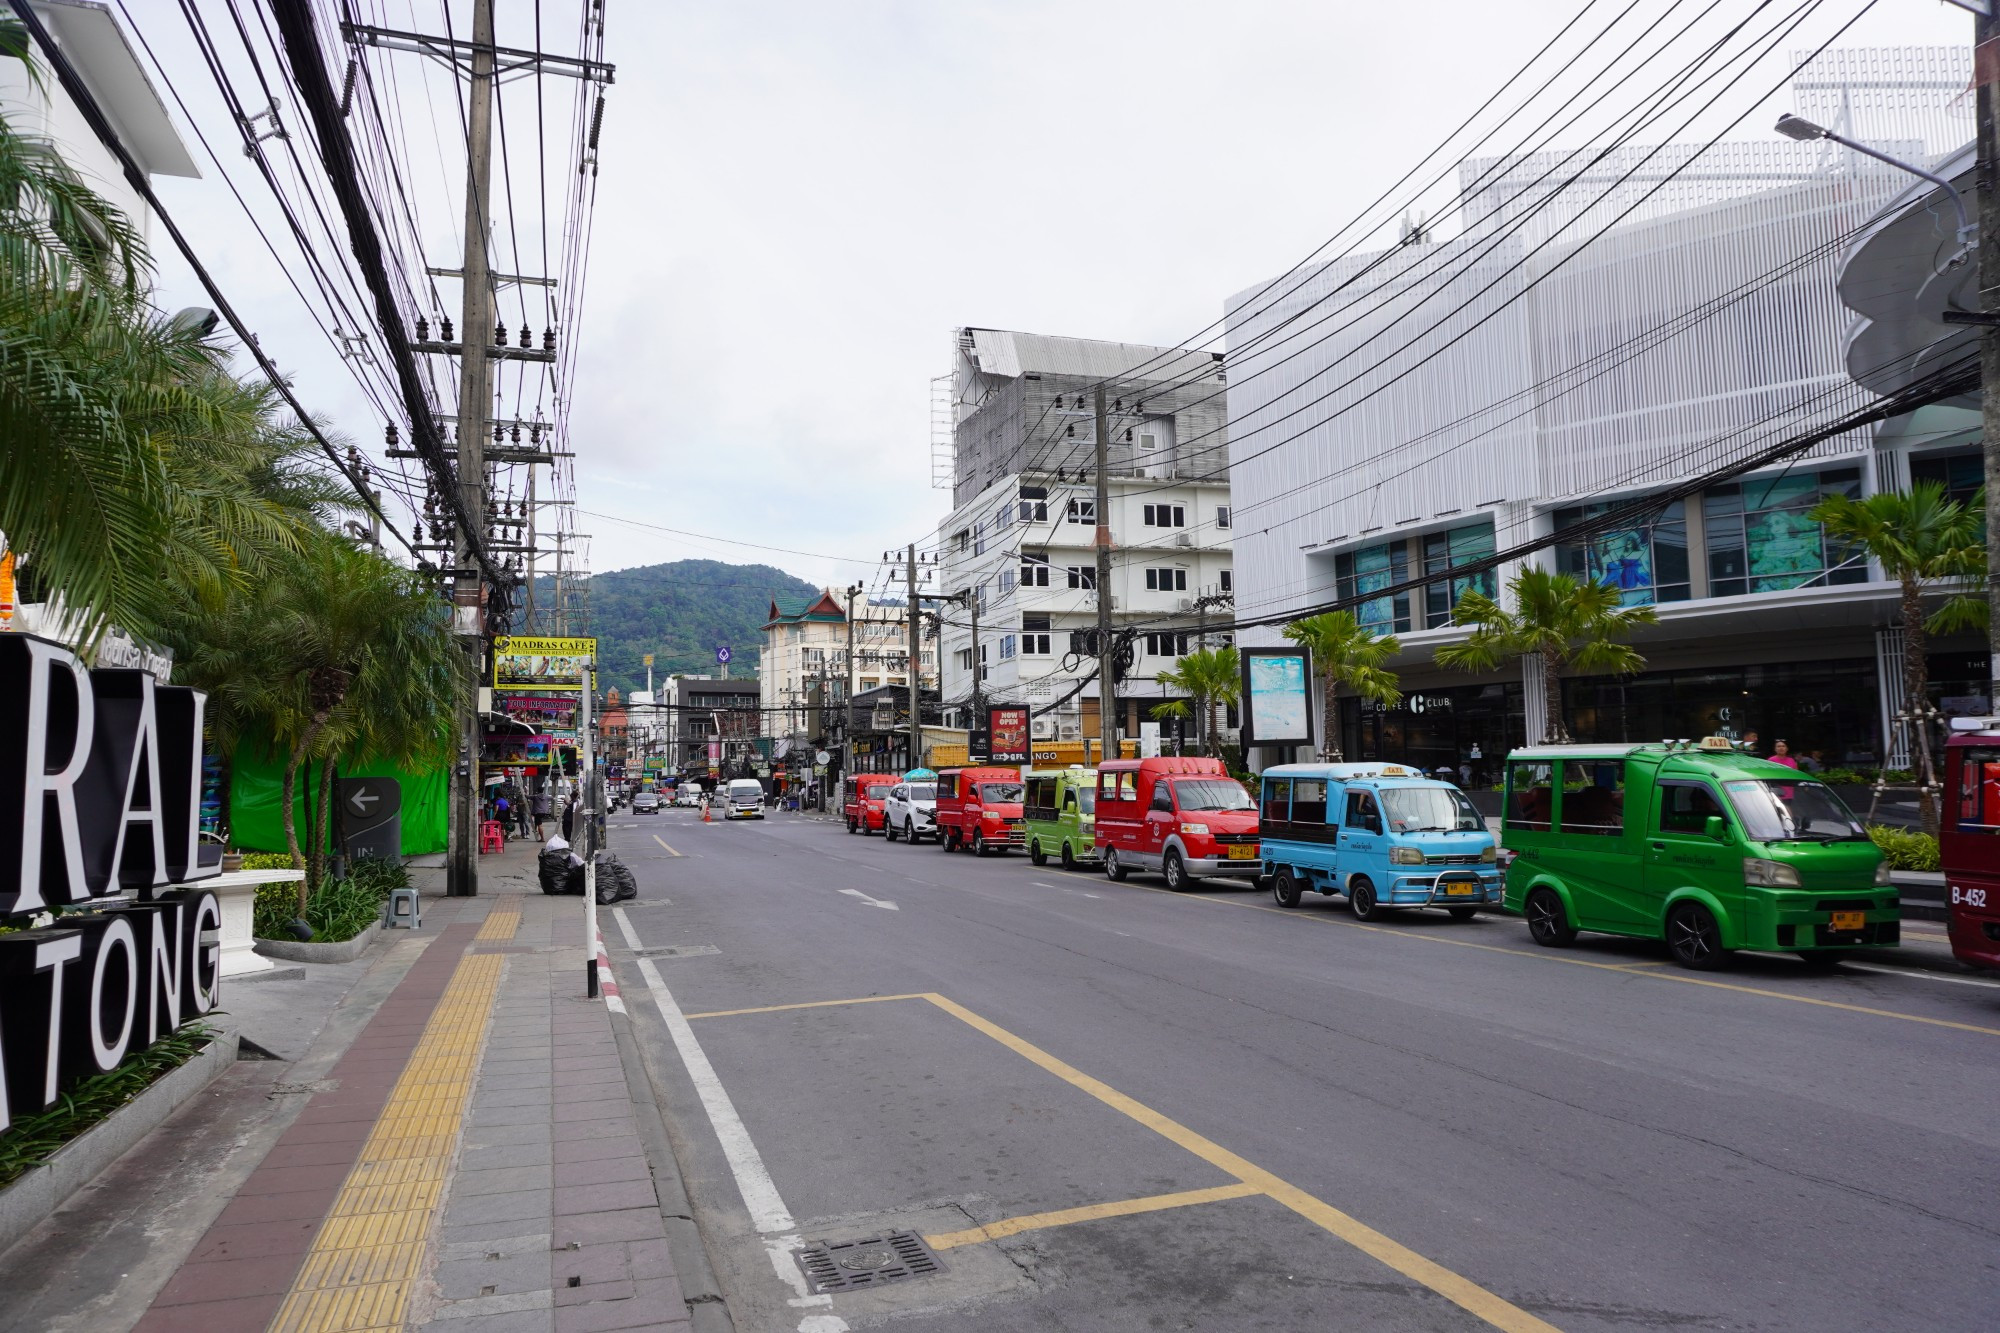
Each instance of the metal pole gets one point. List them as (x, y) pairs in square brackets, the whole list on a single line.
[(1986, 75), (588, 827), (852, 589), (1107, 694), (916, 665), (462, 872), (972, 603)]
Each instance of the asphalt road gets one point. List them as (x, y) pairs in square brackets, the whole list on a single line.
[(1419, 1125)]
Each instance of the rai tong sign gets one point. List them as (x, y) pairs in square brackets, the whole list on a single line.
[(100, 808)]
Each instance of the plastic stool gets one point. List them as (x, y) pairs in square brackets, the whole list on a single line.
[(393, 916), (492, 838)]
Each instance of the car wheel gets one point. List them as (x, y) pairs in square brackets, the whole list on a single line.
[(1068, 857), (1361, 899), (1694, 938), (1114, 869), (910, 833), (1548, 924), (1175, 871), (1284, 888), (888, 831), (1036, 854), (979, 847), (1462, 913)]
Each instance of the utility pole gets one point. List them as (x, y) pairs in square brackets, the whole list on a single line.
[(916, 666), (1107, 696), (462, 874), (1986, 77), (852, 589), (972, 604)]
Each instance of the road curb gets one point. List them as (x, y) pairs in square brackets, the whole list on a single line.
[(708, 1309)]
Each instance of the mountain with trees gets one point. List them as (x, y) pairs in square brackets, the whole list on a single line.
[(680, 612)]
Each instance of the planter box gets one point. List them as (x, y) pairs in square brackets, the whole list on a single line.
[(49, 1186), (312, 951)]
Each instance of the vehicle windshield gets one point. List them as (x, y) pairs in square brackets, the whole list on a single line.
[(1000, 793), (1430, 810), (923, 792), (1086, 799), (1781, 811), (877, 792), (1212, 794)]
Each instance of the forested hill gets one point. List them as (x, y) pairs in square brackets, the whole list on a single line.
[(680, 612)]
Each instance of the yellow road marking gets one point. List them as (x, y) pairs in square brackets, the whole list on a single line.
[(1543, 956), (1463, 1292), (499, 926), (663, 842), (1014, 1226), (369, 1253), (810, 1004)]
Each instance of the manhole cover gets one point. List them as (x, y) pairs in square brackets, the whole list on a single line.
[(847, 1265)]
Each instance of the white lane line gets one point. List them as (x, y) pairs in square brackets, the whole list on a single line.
[(1923, 976), (663, 842), (753, 1181), (1064, 887), (625, 929), (872, 902)]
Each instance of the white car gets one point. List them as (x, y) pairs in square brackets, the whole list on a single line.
[(910, 811)]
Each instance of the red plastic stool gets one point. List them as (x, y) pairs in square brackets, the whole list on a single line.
[(492, 838)]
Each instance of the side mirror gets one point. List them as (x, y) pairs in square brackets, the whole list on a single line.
[(1716, 827)]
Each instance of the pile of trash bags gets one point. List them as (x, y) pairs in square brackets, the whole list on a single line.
[(560, 870)]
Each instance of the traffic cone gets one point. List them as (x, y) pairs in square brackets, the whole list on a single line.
[(704, 814)]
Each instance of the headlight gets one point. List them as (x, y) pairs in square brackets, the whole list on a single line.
[(1490, 855), (1764, 874), (1195, 830), (1405, 856), (993, 815), (1882, 880)]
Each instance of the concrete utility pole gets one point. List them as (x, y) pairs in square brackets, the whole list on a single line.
[(1107, 695), (916, 667), (848, 767), (972, 604), (462, 873), (1986, 77)]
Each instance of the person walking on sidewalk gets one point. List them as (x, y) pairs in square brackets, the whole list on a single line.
[(569, 818), (542, 806)]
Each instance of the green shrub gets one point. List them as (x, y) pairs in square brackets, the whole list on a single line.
[(267, 860), (32, 1139), (340, 910), (1905, 849)]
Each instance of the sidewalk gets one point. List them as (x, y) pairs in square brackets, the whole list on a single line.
[(468, 1159)]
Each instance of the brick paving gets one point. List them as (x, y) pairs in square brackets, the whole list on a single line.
[(550, 1221)]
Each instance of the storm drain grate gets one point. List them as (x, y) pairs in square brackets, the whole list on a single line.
[(850, 1265)]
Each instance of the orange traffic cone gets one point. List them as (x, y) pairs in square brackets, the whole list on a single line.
[(704, 814)]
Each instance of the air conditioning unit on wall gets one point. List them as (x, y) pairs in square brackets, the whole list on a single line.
[(1044, 728)]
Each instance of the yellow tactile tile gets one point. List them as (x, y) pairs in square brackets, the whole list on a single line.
[(499, 926), (368, 1254)]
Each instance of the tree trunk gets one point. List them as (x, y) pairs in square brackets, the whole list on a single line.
[(1330, 743), (1917, 702), (321, 818), (292, 762), (1552, 701), (1213, 744)]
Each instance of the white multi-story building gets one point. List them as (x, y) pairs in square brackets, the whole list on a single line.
[(1396, 414), (1019, 548), (805, 657)]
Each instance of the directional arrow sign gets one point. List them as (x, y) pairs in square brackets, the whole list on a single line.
[(872, 902), (361, 800), (370, 802)]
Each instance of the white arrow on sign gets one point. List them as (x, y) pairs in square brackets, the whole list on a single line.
[(361, 800), (872, 902)]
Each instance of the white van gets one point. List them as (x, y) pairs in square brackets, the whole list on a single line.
[(746, 799)]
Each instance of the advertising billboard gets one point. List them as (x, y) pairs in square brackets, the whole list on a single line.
[(1007, 729), (1277, 708), (524, 663)]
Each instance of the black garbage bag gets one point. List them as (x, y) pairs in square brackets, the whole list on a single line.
[(615, 880), (558, 871)]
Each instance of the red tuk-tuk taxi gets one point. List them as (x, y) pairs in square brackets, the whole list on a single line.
[(861, 796), (1969, 839), (1184, 817), (979, 808)]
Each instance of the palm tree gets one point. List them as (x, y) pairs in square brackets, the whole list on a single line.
[(1922, 539), (1349, 654), (1211, 678), (1574, 625)]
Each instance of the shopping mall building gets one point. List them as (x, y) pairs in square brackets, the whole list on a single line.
[(1591, 334)]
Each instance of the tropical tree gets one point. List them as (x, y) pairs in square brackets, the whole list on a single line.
[(1347, 654), (1211, 678), (1928, 543), (1575, 625)]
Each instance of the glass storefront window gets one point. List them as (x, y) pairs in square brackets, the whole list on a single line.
[(1358, 573), (1760, 540), (1646, 564), (1445, 551), (1960, 472)]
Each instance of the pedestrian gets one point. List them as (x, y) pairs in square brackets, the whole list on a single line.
[(1749, 742), (1783, 755), (500, 809), (542, 806), (569, 818)]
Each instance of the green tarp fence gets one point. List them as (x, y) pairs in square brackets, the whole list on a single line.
[(256, 798)]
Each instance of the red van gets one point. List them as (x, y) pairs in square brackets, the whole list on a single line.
[(1186, 818), (979, 808), (861, 800), (1968, 847)]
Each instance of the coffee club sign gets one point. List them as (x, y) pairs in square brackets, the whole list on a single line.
[(100, 809)]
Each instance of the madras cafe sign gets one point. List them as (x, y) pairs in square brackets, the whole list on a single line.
[(100, 806)]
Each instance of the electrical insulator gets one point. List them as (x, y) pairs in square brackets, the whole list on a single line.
[(389, 435), (1117, 404), (517, 432), (423, 329), (1070, 431), (527, 336), (548, 340), (444, 327), (1128, 435), (499, 433), (499, 335)]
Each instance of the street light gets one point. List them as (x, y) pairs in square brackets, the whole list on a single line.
[(1797, 127)]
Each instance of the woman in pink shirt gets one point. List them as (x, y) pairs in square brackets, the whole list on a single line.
[(1783, 755)]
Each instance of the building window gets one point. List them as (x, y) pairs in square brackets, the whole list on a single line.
[(1034, 569), (1083, 642), (1228, 581), (1961, 474), (963, 537), (1082, 511), (1647, 563), (1083, 576), (1006, 647), (1370, 569), (1036, 645), (1222, 516), (1006, 581), (1166, 580), (1002, 518), (1760, 540), (1148, 443), (1166, 516), (1445, 551), (1035, 511), (965, 659), (1166, 645)]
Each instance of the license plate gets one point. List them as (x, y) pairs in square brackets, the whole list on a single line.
[(1458, 890), (1849, 920), (1243, 851)]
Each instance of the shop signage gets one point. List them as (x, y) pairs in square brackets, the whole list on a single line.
[(524, 663), (1007, 729), (1277, 708)]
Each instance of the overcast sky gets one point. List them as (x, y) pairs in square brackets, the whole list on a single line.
[(800, 199)]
